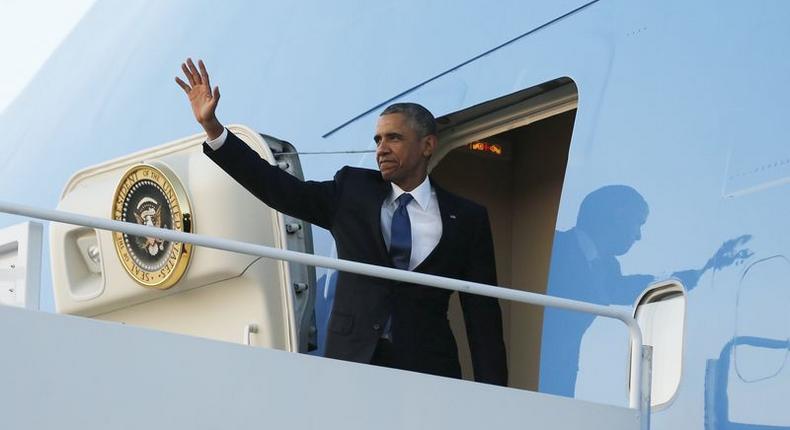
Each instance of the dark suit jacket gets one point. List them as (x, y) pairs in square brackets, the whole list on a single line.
[(350, 208)]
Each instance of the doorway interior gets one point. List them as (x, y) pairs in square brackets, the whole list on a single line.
[(510, 155)]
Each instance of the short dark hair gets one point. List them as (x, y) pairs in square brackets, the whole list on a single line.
[(600, 205), (420, 119)]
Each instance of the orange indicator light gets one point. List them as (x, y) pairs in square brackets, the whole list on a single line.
[(491, 148)]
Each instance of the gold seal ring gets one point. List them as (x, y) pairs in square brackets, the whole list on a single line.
[(151, 194)]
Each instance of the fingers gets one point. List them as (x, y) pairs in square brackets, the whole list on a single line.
[(188, 74), (196, 77), (183, 85), (194, 70), (204, 73)]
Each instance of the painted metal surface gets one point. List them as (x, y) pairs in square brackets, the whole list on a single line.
[(70, 372), (20, 264)]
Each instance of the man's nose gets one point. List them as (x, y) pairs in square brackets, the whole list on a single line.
[(382, 148)]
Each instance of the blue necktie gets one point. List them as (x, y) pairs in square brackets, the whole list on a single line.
[(400, 245), (400, 233)]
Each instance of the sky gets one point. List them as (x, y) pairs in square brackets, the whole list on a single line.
[(30, 30)]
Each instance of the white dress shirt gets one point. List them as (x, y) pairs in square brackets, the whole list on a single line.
[(216, 143), (426, 221)]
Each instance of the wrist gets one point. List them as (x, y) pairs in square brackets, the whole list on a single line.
[(213, 128)]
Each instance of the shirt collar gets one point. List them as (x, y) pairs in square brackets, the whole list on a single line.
[(422, 193)]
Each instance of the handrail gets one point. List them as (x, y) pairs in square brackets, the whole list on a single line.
[(637, 385)]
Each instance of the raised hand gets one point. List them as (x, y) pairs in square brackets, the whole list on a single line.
[(733, 251), (201, 97)]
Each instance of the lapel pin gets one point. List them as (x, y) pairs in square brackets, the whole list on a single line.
[(452, 216)]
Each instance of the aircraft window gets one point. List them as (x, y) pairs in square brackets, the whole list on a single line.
[(661, 313), (761, 309)]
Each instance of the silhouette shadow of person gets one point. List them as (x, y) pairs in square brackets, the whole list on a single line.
[(584, 266)]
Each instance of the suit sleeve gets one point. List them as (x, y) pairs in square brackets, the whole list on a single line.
[(311, 201), (482, 315)]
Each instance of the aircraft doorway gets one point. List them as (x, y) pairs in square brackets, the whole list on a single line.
[(511, 158)]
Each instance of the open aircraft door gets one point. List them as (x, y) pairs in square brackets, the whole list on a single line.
[(177, 287)]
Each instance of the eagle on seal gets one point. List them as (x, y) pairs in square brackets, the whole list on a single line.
[(149, 212)]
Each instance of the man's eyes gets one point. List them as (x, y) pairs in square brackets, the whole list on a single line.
[(388, 137)]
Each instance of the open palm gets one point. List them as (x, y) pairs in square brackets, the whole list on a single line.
[(201, 97)]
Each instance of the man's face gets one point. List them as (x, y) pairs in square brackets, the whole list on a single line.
[(402, 154)]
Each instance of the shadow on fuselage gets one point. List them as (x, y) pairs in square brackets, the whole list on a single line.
[(585, 267)]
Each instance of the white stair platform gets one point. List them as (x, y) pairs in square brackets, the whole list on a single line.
[(59, 371)]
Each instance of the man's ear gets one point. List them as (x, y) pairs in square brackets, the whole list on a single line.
[(429, 145)]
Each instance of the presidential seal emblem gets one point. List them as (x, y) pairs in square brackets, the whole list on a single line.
[(150, 194)]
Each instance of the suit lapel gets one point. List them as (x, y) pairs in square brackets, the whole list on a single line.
[(374, 212), (449, 226)]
